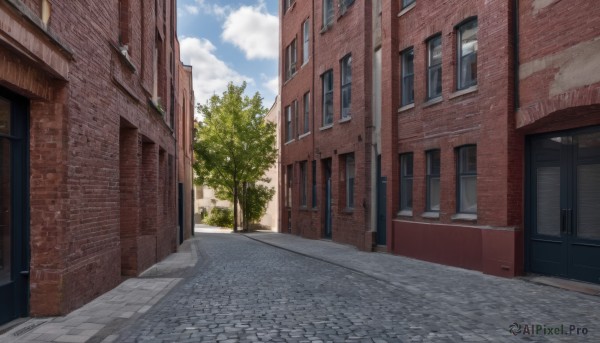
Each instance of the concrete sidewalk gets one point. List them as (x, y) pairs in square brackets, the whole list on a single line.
[(102, 319)]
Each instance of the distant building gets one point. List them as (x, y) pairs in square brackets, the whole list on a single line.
[(399, 134), (271, 217), (92, 109)]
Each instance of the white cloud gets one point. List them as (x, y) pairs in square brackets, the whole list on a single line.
[(210, 74), (253, 30), (214, 9), (272, 85), (191, 9)]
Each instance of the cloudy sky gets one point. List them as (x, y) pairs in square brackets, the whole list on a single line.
[(230, 40)]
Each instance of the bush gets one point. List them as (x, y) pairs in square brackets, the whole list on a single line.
[(220, 216)]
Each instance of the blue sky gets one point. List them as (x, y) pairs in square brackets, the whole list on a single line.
[(230, 40)]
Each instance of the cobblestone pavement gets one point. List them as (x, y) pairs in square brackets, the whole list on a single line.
[(247, 291)]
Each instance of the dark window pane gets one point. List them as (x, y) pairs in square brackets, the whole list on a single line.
[(467, 55), (406, 181), (5, 210), (588, 201), (468, 160), (4, 116), (435, 82), (548, 201), (433, 194)]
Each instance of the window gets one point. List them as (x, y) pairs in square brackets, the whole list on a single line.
[(303, 183), (328, 12), (306, 103), (288, 123), (346, 86), (406, 181), (287, 4), (305, 41), (350, 181), (406, 3), (467, 55), (288, 184), (327, 79), (408, 71), (434, 67), (314, 184), (290, 60), (467, 179), (433, 180), (344, 4)]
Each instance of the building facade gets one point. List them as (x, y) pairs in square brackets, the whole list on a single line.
[(485, 159), (89, 116), (325, 144)]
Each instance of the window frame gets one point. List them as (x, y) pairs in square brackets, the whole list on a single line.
[(328, 12), (288, 189), (346, 67), (287, 4), (460, 173), (328, 75), (406, 3), (406, 178), (291, 59), (460, 83), (431, 68), (305, 41), (429, 175), (306, 107), (404, 75)]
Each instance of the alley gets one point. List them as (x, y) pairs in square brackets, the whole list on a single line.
[(245, 290)]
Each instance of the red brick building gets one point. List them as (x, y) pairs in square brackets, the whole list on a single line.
[(90, 116), (487, 159)]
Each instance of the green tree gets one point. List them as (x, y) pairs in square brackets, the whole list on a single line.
[(234, 144)]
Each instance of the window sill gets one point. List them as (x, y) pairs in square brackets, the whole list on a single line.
[(348, 210), (304, 135), (430, 215), (289, 142), (433, 101), (304, 209), (345, 120), (406, 108), (407, 9), (290, 78), (467, 217), (327, 127), (405, 213), (462, 92), (325, 28)]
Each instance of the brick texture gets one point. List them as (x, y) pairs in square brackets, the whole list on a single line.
[(102, 206)]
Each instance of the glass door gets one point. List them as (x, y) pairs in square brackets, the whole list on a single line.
[(13, 221), (564, 183)]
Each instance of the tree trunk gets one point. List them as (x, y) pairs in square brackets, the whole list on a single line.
[(235, 206), (245, 206)]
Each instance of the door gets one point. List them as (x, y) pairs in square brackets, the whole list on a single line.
[(14, 235), (564, 208), (327, 168), (381, 205)]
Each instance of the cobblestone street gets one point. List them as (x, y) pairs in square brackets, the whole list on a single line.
[(245, 291)]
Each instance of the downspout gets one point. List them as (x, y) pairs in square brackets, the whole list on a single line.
[(516, 62)]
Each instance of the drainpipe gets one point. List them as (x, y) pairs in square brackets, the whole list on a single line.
[(516, 62)]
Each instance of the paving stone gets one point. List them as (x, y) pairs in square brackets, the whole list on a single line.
[(348, 296)]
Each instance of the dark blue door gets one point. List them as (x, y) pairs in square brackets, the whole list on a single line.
[(14, 229), (564, 208), (328, 221), (381, 205)]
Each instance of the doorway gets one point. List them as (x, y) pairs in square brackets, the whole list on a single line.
[(14, 207), (381, 205), (564, 204)]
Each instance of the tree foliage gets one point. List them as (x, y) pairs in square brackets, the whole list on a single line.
[(234, 144)]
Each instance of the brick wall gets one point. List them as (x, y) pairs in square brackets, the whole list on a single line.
[(83, 163), (348, 34), (559, 85)]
